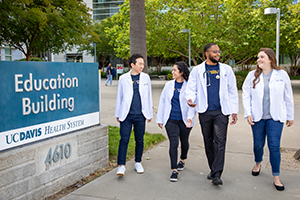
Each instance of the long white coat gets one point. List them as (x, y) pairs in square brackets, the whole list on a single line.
[(281, 97), (197, 89), (164, 108), (125, 94)]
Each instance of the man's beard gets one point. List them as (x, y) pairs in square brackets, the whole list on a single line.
[(213, 60)]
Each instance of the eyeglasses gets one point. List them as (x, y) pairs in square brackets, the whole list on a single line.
[(215, 51)]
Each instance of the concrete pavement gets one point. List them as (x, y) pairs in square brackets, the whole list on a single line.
[(238, 183)]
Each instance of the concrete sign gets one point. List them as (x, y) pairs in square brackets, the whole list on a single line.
[(42, 99)]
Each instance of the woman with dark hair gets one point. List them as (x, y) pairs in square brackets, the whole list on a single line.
[(176, 116), (268, 104)]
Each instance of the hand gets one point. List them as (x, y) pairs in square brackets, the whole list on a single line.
[(289, 123), (118, 119), (190, 103), (234, 119), (160, 125), (149, 120), (250, 120), (189, 123)]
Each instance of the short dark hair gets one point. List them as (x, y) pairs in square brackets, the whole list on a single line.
[(133, 58), (183, 67), (208, 46)]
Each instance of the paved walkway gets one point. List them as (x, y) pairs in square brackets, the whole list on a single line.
[(238, 183)]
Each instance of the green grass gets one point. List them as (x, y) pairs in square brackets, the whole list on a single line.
[(150, 140)]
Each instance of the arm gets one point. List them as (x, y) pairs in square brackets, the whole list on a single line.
[(191, 88), (233, 93), (150, 99), (247, 99), (289, 101), (160, 110), (119, 99)]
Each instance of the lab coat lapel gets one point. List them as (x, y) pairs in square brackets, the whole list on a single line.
[(129, 83), (274, 75), (203, 78)]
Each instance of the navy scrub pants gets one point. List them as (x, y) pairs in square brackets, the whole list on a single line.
[(214, 130)]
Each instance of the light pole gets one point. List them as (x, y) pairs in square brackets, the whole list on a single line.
[(189, 31), (95, 53), (269, 11)]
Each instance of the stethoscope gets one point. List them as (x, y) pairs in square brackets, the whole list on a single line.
[(208, 77)]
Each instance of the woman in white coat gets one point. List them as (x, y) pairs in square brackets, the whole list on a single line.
[(176, 116), (268, 104)]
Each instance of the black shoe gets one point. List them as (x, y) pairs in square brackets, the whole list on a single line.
[(216, 180), (180, 166), (279, 188), (255, 173), (209, 176), (174, 176)]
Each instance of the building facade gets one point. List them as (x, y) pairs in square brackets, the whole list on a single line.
[(105, 8)]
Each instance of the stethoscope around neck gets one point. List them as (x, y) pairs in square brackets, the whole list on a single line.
[(208, 77)]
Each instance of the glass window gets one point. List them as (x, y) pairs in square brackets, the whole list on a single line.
[(8, 56), (74, 57), (106, 5), (7, 51), (102, 1), (100, 17)]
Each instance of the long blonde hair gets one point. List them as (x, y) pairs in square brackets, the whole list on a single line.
[(272, 57)]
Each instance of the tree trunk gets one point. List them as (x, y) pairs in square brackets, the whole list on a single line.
[(138, 30)]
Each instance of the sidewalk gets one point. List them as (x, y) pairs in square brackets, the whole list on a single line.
[(238, 183)]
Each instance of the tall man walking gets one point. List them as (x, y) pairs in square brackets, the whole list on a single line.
[(133, 107), (212, 87)]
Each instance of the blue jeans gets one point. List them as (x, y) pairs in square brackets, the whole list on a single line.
[(272, 129), (109, 78), (138, 122)]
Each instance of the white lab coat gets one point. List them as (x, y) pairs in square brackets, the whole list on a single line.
[(125, 95), (197, 89), (281, 97), (165, 104)]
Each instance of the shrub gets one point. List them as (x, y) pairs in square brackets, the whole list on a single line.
[(165, 72), (239, 81), (103, 74), (34, 59), (170, 76)]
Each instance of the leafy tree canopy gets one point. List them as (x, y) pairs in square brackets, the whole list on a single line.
[(34, 26)]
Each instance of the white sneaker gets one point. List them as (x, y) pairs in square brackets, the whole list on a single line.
[(121, 171), (139, 168)]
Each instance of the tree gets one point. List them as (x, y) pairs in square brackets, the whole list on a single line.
[(34, 26), (290, 35), (138, 42), (239, 27), (98, 36)]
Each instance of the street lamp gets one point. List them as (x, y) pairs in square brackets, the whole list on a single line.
[(269, 11), (95, 53), (189, 31)]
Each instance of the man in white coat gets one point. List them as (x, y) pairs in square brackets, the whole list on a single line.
[(212, 87), (133, 107)]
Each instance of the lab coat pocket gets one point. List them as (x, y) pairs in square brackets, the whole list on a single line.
[(145, 89), (279, 86)]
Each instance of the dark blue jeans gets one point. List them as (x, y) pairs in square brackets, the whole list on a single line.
[(272, 129), (138, 122)]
